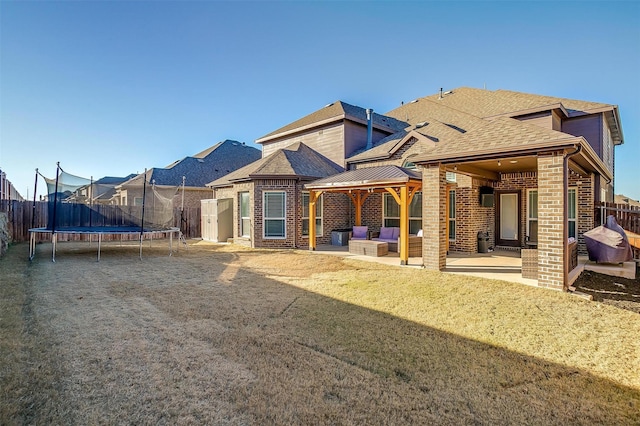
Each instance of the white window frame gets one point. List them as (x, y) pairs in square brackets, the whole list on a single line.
[(450, 218), (417, 220), (529, 218), (245, 218), (569, 219), (265, 218), (305, 214), (575, 210)]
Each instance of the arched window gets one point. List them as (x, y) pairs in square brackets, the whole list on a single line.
[(408, 164)]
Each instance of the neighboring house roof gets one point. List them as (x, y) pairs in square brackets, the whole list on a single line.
[(336, 111), (294, 161), (367, 176), (100, 188), (212, 163), (623, 199)]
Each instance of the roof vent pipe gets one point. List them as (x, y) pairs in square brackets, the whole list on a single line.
[(440, 93), (369, 128)]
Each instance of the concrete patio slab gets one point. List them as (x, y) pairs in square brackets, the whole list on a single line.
[(497, 265)]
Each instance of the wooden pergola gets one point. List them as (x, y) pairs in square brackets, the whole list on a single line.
[(359, 184)]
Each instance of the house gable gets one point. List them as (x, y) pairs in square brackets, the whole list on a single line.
[(335, 131)]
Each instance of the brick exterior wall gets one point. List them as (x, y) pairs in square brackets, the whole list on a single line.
[(336, 213), (471, 217), (585, 216), (371, 212), (551, 225), (434, 214)]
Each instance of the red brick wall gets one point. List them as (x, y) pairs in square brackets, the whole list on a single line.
[(471, 217), (585, 217), (336, 213), (551, 221), (434, 245)]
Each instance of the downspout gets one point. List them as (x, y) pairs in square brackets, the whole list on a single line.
[(565, 215), (369, 128), (297, 187)]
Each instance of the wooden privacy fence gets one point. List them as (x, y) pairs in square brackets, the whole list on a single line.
[(627, 216), (21, 217)]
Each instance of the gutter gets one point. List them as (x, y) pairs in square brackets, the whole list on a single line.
[(490, 153)]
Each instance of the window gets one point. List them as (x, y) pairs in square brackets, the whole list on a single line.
[(305, 215), (274, 214), (408, 164), (452, 215), (391, 212), (451, 176), (532, 215), (245, 218), (137, 201), (572, 210)]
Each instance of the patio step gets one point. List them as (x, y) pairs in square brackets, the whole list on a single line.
[(624, 270), (508, 248)]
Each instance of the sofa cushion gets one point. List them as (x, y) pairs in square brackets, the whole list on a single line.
[(359, 233), (386, 233), (396, 233)]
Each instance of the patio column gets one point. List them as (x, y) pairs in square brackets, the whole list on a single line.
[(434, 217), (313, 198), (552, 232)]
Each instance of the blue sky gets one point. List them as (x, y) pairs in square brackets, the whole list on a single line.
[(109, 88)]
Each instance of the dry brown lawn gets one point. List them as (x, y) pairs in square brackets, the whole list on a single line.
[(225, 335)]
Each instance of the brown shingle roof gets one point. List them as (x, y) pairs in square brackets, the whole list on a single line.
[(294, 161), (427, 132), (336, 110), (485, 103), (500, 135)]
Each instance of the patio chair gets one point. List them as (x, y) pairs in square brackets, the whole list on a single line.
[(359, 233)]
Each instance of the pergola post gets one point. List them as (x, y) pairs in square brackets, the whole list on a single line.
[(403, 199), (313, 198), (358, 199), (404, 225)]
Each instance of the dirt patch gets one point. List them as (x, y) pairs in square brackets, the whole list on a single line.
[(622, 293)]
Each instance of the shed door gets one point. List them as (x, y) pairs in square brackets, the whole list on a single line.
[(208, 220)]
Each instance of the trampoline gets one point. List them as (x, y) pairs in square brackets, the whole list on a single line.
[(71, 210), (99, 231)]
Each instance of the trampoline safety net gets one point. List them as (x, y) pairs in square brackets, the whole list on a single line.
[(72, 205)]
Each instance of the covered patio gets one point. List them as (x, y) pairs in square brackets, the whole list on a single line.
[(359, 184), (512, 164), (500, 265)]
